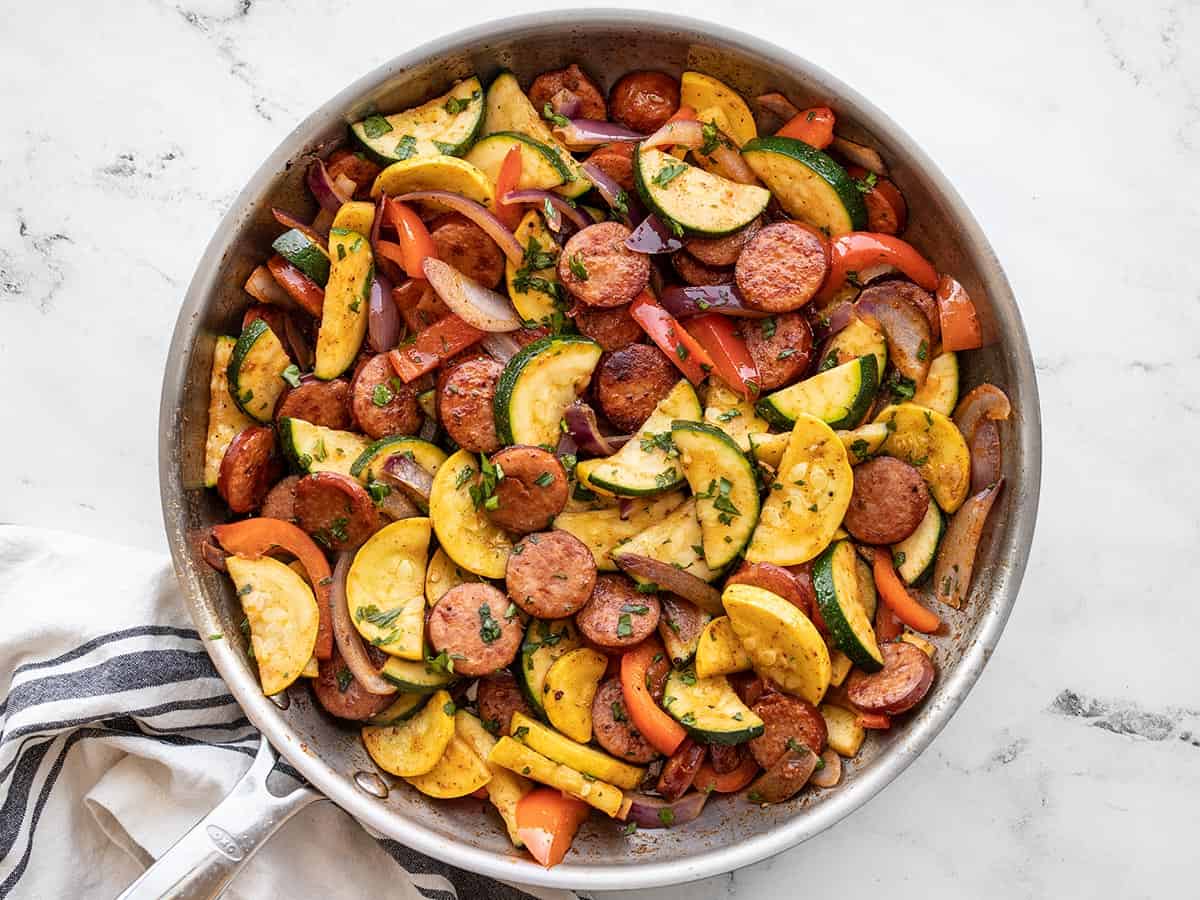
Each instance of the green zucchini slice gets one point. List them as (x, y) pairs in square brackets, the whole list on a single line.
[(315, 448), (544, 642), (709, 708), (840, 597), (444, 126), (940, 390), (839, 397), (406, 706), (255, 373), (808, 184), (855, 340), (538, 385), (428, 456), (914, 556), (304, 253), (676, 540), (415, 676), (700, 202), (542, 167)]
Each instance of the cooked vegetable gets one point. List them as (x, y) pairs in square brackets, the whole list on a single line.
[(538, 385), (478, 306), (808, 184), (350, 642), (414, 746), (845, 734), (654, 812), (896, 596), (812, 126), (733, 414), (405, 707), (463, 529), (370, 464), (672, 338), (839, 397), (701, 92), (358, 216), (255, 371), (940, 390), (546, 824), (225, 418), (282, 613), (956, 313), (433, 346), (303, 252), (459, 772), (445, 124), (929, 441), (671, 576), (697, 201), (385, 588), (914, 556), (418, 677), (676, 541), (315, 448), (544, 643), (576, 755), (852, 253), (505, 788), (840, 597), (956, 559), (442, 574), (347, 303), (542, 166), (858, 338), (719, 651), (655, 725), (533, 282), (517, 757), (709, 708), (569, 689), (606, 529)]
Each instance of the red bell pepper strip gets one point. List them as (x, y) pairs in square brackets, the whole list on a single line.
[(547, 821), (896, 597), (814, 126), (707, 778), (959, 321), (671, 337), (663, 732), (877, 721), (852, 253), (415, 242), (299, 286), (731, 359), (433, 346), (507, 179), (256, 537), (887, 626)]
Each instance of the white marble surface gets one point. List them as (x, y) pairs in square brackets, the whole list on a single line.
[(1072, 129)]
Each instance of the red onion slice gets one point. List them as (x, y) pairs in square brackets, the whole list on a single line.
[(909, 340), (500, 346), (287, 220), (655, 812), (956, 556), (302, 350), (475, 304), (652, 236), (584, 134), (778, 104), (624, 204), (860, 155), (262, 286), (830, 773), (565, 103), (585, 431), (983, 402), (986, 457), (323, 188), (409, 478), (429, 430), (673, 580), (383, 320), (495, 229), (349, 641), (682, 302), (377, 222), (680, 133), (560, 205), (212, 554)]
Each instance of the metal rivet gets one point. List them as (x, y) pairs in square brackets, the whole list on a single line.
[(372, 784), (282, 700)]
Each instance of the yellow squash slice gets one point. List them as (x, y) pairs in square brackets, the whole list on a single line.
[(385, 588), (570, 689), (414, 746), (582, 758), (719, 651), (459, 772), (933, 444), (467, 535), (505, 789)]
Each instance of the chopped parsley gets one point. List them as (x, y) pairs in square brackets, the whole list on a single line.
[(786, 353), (544, 480), (829, 362), (484, 493), (377, 617), (639, 609), (666, 815), (624, 625), (620, 203), (629, 829), (688, 718), (464, 475), (659, 441), (405, 147), (728, 415), (901, 388), (668, 173), (442, 664), (898, 558), (291, 375), (712, 138), (444, 148), (375, 126), (795, 746), (682, 352), (860, 448), (923, 351), (520, 733), (551, 116), (578, 269), (449, 708), (455, 105), (489, 628), (648, 588), (867, 183), (618, 712), (666, 478), (378, 490), (344, 677), (382, 395)]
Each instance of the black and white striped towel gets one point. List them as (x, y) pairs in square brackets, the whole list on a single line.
[(117, 735)]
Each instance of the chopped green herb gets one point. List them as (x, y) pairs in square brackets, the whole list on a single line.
[(544, 480), (768, 326), (376, 125), (681, 351), (382, 395), (443, 663), (489, 628), (377, 617), (291, 375), (444, 148), (618, 712), (449, 708), (728, 415), (666, 815), (578, 269), (712, 138), (216, 636), (464, 475), (666, 478), (620, 203), (624, 625), (923, 351), (554, 118), (866, 184), (787, 352), (860, 448), (629, 829), (669, 173), (520, 732), (344, 677), (647, 588), (898, 558), (378, 490), (455, 105)]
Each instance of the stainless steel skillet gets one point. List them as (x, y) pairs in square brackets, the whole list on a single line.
[(730, 834)]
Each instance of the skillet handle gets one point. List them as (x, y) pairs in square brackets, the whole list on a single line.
[(204, 861)]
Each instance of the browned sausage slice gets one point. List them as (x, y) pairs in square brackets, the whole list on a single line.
[(336, 510), (617, 615), (463, 244), (599, 270), (616, 161), (574, 80), (499, 696), (694, 272), (779, 581), (782, 780), (382, 403), (644, 100), (532, 492), (725, 757), (323, 403), (781, 347), (631, 382), (249, 468), (475, 625), (901, 684), (551, 575), (749, 686), (612, 329), (465, 404), (613, 728), (342, 695), (680, 770), (722, 251), (281, 500), (790, 723), (782, 267), (889, 500)]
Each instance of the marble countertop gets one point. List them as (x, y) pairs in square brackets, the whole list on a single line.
[(1072, 129)]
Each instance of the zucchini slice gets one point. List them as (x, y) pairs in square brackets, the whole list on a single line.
[(304, 253), (542, 167), (538, 385), (719, 651), (579, 757), (315, 448), (255, 371), (644, 465), (940, 390), (282, 613), (799, 520), (459, 772), (434, 173), (355, 215), (914, 556), (506, 788), (931, 443), (700, 202), (676, 540), (444, 125), (370, 462), (724, 485), (783, 644), (836, 579), (442, 574), (733, 414), (405, 707), (840, 397), (385, 588), (508, 110), (535, 292), (603, 530), (569, 690), (347, 301), (544, 642), (855, 340), (709, 708), (413, 747), (414, 676), (864, 442), (225, 418), (701, 92), (769, 448), (466, 533), (808, 184)]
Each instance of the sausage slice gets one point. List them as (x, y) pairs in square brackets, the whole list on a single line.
[(781, 347), (465, 404), (599, 270), (474, 624), (617, 615), (644, 100), (248, 469), (532, 492), (680, 770), (281, 500), (901, 684), (889, 500), (324, 403), (342, 695), (782, 780), (789, 723), (336, 510), (612, 329), (695, 272), (498, 697), (779, 581), (631, 382), (725, 757), (573, 80), (613, 729), (463, 244), (782, 267), (551, 575), (382, 403), (722, 251), (616, 161)]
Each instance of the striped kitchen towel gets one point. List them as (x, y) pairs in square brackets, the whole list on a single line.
[(117, 735)]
